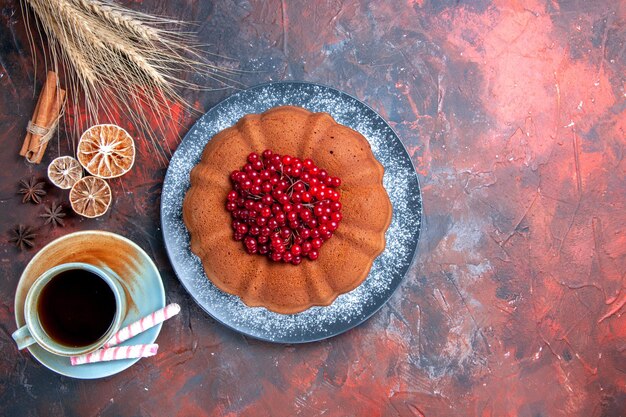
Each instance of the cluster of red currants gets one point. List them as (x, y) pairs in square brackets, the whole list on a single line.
[(283, 207)]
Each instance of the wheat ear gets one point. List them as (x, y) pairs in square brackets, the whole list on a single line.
[(120, 61)]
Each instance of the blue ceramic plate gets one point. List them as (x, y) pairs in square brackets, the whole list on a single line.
[(349, 309), (140, 279)]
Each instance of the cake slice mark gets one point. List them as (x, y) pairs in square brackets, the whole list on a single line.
[(317, 125), (255, 137), (205, 175), (362, 206), (247, 274), (252, 288), (198, 241), (320, 288), (367, 242)]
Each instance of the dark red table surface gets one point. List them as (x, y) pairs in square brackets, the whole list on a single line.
[(514, 114)]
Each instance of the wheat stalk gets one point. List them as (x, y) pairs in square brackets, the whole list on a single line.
[(119, 61)]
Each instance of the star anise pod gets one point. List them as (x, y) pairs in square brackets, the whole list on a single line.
[(32, 190), (22, 237), (53, 215)]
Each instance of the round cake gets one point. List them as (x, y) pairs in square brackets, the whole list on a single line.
[(341, 263)]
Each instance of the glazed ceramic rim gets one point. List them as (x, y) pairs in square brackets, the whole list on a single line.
[(38, 255), (33, 321)]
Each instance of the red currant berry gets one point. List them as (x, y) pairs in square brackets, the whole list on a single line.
[(305, 214), (283, 199), (298, 187), (283, 207), (257, 165), (305, 233), (282, 185), (272, 223), (265, 212), (292, 216)]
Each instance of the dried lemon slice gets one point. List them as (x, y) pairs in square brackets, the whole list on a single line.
[(106, 151), (64, 171), (90, 197)]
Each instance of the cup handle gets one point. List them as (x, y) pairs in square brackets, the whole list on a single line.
[(23, 337)]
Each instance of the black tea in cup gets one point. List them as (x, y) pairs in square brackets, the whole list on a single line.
[(76, 308)]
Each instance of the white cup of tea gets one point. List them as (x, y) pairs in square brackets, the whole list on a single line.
[(72, 309)]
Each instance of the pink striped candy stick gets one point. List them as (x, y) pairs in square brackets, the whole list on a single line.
[(114, 353), (144, 324)]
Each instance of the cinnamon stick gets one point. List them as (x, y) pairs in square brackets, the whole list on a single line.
[(38, 150), (44, 117)]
